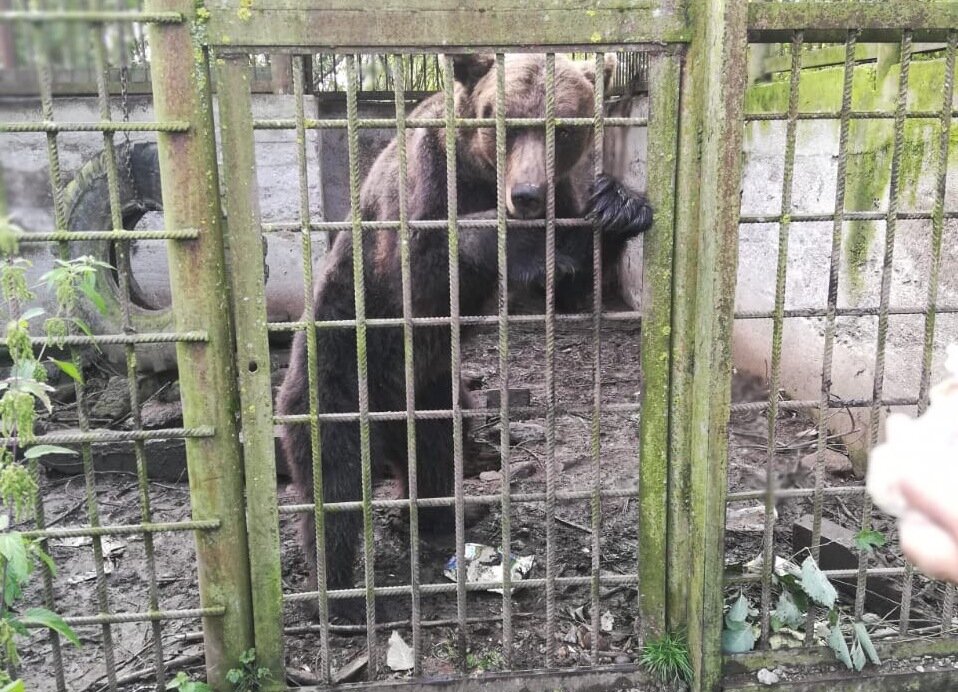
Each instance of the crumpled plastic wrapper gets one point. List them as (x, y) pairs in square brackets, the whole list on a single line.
[(484, 565), (926, 446)]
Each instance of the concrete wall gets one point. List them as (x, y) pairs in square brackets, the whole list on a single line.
[(25, 168), (626, 158), (863, 245)]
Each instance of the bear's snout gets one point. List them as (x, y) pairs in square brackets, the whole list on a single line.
[(528, 200)]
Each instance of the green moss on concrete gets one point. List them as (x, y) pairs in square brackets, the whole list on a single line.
[(767, 97), (866, 186), (926, 84), (919, 155), (871, 142)]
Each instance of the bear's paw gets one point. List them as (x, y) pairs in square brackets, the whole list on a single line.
[(615, 209)]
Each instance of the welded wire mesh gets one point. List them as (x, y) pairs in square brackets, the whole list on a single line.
[(95, 34), (421, 586), (870, 341), (423, 72)]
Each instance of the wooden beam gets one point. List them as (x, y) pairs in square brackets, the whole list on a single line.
[(439, 25), (772, 22)]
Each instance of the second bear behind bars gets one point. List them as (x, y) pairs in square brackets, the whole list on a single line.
[(616, 212)]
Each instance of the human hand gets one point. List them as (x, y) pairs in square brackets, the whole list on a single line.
[(928, 531), (914, 476)]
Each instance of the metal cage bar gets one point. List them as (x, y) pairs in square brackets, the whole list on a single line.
[(397, 63), (430, 225), (426, 123), (40, 519), (836, 115), (563, 496), (427, 414), (885, 296), (550, 261), (627, 316), (123, 251), (36, 15), (595, 502), (452, 207), (45, 80), (76, 236), (503, 328), (315, 431), (313, 375), (362, 369), (50, 127), (848, 216), (778, 325), (468, 586), (937, 232)]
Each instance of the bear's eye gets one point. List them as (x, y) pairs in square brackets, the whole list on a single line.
[(487, 111)]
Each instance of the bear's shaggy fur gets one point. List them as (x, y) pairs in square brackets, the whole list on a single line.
[(475, 96), (617, 213)]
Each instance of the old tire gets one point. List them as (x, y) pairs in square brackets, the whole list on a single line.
[(87, 205)]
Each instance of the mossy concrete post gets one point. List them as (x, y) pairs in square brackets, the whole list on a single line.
[(664, 73), (706, 255), (201, 301), (248, 289)]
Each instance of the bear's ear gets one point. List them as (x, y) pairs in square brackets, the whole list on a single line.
[(469, 69), (608, 71)]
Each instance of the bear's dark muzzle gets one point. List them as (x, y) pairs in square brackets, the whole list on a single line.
[(528, 200)]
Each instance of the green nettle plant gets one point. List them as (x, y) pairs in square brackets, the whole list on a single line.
[(801, 589), (247, 678), (22, 391)]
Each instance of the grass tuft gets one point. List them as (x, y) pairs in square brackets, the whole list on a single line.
[(667, 658)]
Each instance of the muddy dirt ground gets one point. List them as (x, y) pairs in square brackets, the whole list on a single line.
[(128, 585)]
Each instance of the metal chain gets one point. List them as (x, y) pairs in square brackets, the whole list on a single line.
[(125, 109)]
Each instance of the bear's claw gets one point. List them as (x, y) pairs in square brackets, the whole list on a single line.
[(613, 208)]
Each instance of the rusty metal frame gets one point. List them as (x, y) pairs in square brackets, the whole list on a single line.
[(202, 335)]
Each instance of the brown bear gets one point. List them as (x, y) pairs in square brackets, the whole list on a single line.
[(616, 212)]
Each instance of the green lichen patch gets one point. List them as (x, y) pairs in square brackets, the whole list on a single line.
[(871, 141)]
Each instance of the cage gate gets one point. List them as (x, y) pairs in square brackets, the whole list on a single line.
[(664, 533), (686, 359), (866, 241), (320, 30), (201, 333)]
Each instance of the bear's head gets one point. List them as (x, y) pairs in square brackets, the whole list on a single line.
[(525, 97)]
